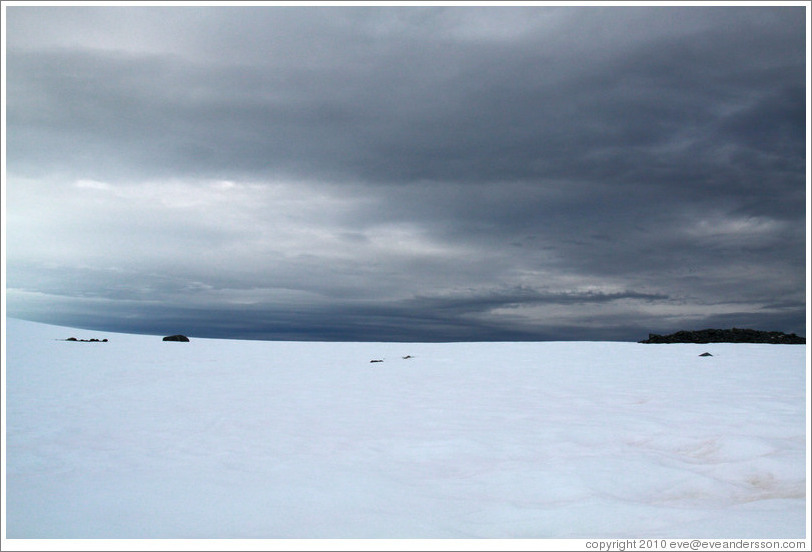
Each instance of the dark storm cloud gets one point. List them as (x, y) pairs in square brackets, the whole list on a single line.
[(354, 102), (399, 173)]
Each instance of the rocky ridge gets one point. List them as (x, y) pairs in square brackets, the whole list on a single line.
[(734, 335)]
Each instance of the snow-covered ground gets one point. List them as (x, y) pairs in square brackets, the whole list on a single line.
[(140, 438)]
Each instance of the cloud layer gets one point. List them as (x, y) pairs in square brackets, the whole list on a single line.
[(417, 173)]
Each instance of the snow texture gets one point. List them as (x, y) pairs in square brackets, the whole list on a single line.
[(139, 438)]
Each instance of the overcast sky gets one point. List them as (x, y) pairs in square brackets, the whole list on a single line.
[(407, 173)]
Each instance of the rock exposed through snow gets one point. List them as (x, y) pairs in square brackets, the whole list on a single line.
[(734, 335)]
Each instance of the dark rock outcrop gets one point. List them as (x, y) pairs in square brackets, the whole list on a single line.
[(735, 335), (94, 340), (706, 354), (176, 338)]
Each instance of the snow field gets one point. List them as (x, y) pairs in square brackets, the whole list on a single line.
[(138, 438)]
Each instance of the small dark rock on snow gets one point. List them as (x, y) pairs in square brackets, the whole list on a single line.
[(706, 354), (176, 338)]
